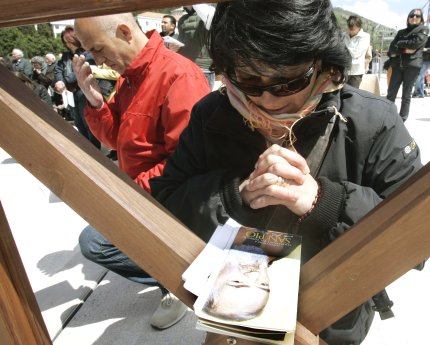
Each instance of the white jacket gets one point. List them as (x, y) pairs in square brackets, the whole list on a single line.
[(357, 47)]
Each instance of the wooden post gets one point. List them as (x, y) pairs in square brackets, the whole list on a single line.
[(20, 12), (21, 322)]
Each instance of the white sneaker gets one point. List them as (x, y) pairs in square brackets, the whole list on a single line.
[(169, 312)]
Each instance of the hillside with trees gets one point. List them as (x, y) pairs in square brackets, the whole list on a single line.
[(32, 40)]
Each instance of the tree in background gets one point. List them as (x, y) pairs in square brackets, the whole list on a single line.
[(31, 41)]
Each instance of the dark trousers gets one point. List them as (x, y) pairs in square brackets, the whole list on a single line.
[(406, 76), (354, 80), (79, 118), (96, 248)]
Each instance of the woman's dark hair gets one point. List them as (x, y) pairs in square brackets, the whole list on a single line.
[(276, 32), (71, 30), (413, 12), (354, 21)]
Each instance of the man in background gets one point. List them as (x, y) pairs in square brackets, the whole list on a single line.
[(168, 26), (51, 62), (193, 30), (20, 64), (151, 107), (358, 43)]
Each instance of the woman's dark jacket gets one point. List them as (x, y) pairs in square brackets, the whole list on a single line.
[(409, 38), (367, 158)]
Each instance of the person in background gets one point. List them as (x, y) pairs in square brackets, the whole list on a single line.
[(285, 144), (20, 64), (37, 88), (376, 61), (193, 30), (168, 27), (66, 78), (419, 84), (142, 122), (51, 62), (63, 102), (358, 43), (107, 79), (39, 71), (406, 55)]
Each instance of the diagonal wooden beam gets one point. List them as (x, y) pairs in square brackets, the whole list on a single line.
[(93, 186), (389, 241), (20, 12)]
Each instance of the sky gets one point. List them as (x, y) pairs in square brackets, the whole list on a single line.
[(391, 13)]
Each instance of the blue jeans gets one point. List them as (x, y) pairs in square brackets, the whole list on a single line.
[(95, 247), (419, 84)]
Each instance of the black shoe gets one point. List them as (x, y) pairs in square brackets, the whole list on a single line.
[(112, 155)]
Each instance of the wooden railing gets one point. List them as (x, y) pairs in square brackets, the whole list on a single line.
[(388, 242)]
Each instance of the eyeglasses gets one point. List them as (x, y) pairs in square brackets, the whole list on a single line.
[(415, 16), (279, 90)]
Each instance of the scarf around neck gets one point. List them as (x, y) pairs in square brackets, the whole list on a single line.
[(277, 128)]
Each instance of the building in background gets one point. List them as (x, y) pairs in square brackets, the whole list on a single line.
[(150, 21), (59, 26)]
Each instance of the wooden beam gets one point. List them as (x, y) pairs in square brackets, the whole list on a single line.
[(21, 322), (23, 12), (388, 242), (93, 186)]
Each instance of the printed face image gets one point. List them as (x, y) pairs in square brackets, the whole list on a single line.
[(242, 288)]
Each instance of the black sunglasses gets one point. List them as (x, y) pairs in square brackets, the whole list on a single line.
[(415, 15), (279, 90)]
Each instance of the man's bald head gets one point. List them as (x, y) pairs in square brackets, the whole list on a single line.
[(107, 24), (114, 39)]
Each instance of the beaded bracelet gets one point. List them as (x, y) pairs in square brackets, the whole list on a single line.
[(317, 197)]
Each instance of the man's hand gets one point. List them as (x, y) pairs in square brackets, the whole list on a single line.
[(87, 82), (281, 177)]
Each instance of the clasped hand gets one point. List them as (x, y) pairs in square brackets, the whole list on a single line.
[(87, 82), (281, 177)]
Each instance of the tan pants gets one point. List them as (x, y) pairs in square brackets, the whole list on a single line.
[(389, 72)]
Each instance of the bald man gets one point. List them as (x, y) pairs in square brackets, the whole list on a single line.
[(20, 64), (150, 109)]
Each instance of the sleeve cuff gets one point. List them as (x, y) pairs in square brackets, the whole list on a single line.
[(327, 211)]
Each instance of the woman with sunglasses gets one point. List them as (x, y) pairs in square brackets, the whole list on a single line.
[(285, 145), (406, 53)]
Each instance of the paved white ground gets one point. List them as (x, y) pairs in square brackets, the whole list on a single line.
[(117, 312)]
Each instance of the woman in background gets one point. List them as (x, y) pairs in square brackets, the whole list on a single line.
[(406, 55)]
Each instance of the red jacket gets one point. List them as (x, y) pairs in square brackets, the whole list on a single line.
[(151, 108)]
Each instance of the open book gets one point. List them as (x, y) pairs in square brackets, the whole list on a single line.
[(252, 288)]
